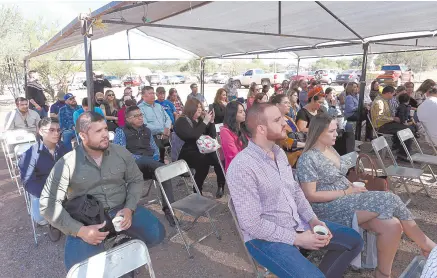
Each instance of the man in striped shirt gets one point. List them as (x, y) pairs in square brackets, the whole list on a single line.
[(276, 219)]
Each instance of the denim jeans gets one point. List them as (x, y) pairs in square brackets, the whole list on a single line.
[(145, 226), (42, 113), (285, 260), (148, 166), (67, 136), (34, 209)]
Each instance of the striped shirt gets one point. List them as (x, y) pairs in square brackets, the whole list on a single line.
[(394, 104), (269, 203)]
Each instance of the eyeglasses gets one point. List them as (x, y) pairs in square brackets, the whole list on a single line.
[(136, 116)]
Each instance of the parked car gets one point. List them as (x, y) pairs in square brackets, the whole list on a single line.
[(114, 80), (131, 82), (170, 79), (181, 79), (289, 74), (219, 78), (326, 76), (157, 79), (259, 77), (191, 79), (305, 75), (395, 75), (208, 78), (347, 76)]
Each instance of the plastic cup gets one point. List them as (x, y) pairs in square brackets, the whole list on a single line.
[(359, 184), (117, 222), (321, 230)]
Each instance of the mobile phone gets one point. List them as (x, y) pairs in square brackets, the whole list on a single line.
[(210, 108)]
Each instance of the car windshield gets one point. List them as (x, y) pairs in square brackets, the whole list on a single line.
[(391, 67)]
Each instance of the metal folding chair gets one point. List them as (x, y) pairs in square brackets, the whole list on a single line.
[(405, 174), (221, 159), (424, 159), (428, 139), (240, 234), (194, 204), (377, 134), (115, 262)]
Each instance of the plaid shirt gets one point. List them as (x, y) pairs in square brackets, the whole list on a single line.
[(269, 203), (179, 107), (394, 104)]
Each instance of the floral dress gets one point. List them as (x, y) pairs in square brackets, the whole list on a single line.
[(313, 166)]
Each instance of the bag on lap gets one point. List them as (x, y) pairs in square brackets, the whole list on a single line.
[(373, 181), (207, 144)]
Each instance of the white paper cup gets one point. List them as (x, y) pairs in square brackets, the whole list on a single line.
[(412, 113), (117, 222), (359, 184), (321, 230)]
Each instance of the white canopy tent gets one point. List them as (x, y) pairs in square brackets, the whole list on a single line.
[(228, 29)]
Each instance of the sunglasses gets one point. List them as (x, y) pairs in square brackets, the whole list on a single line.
[(111, 95)]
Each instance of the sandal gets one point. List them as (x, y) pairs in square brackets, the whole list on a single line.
[(379, 271)]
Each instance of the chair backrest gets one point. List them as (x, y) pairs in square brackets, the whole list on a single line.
[(379, 144), (115, 262), (429, 139), (21, 148), (405, 134), (172, 170), (176, 144), (111, 136), (13, 137)]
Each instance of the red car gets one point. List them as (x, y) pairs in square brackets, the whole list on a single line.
[(130, 82), (306, 75)]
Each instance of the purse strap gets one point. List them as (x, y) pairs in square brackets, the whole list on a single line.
[(360, 159)]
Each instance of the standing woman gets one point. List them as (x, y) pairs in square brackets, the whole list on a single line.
[(219, 105), (253, 90), (233, 135), (111, 110), (189, 127), (420, 95), (374, 90)]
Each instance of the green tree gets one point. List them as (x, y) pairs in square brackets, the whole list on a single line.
[(356, 63), (417, 61), (342, 64), (116, 68)]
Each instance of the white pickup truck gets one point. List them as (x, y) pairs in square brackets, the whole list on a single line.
[(259, 77)]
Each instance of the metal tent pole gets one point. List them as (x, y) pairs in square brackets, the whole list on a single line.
[(25, 64), (298, 64), (128, 43), (362, 88), (87, 33), (202, 77)]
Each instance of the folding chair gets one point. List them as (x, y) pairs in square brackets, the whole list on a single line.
[(111, 136), (403, 173), (221, 158), (13, 138), (428, 139), (240, 234), (115, 262), (194, 204), (377, 134), (425, 159)]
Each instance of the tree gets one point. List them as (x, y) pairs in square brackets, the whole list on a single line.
[(417, 61), (116, 68), (356, 63)]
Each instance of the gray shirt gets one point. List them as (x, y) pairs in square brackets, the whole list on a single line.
[(117, 181), (16, 120), (198, 96)]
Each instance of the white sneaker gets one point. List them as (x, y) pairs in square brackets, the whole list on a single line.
[(43, 222)]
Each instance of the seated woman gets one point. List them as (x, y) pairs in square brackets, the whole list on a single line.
[(316, 98), (219, 105), (35, 166), (289, 145), (260, 98), (233, 134), (294, 106), (111, 110), (321, 172), (189, 127), (253, 90)]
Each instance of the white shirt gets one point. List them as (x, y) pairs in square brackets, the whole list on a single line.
[(427, 113)]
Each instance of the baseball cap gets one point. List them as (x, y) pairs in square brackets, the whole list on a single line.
[(67, 96), (194, 85)]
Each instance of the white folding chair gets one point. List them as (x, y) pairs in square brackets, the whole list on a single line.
[(13, 138), (111, 136), (115, 262), (425, 159), (405, 174), (428, 139), (240, 234), (194, 204), (377, 134), (221, 159)]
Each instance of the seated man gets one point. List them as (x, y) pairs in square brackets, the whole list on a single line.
[(156, 119), (36, 163), (22, 117), (427, 113), (384, 122), (137, 139), (275, 217), (66, 120), (85, 108), (166, 104), (54, 108), (107, 172)]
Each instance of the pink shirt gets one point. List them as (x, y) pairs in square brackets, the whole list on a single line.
[(230, 145)]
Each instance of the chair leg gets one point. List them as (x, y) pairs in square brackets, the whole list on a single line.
[(157, 190), (29, 208), (213, 227), (187, 246), (410, 200), (432, 172), (424, 187)]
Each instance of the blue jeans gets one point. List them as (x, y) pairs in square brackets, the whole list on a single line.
[(42, 113), (67, 136), (34, 209), (145, 226), (285, 260)]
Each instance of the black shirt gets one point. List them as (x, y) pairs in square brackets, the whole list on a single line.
[(304, 115), (35, 91), (219, 110), (100, 84)]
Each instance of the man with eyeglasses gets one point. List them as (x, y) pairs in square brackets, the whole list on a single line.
[(137, 138), (22, 117), (156, 119), (66, 120)]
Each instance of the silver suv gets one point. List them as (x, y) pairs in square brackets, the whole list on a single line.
[(325, 75)]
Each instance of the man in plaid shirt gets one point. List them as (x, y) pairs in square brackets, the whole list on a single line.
[(276, 219)]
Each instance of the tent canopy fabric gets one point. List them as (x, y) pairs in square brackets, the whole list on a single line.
[(305, 28)]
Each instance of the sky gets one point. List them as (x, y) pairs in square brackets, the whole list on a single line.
[(115, 46)]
